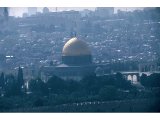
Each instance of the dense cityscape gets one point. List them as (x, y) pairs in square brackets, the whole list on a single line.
[(126, 41)]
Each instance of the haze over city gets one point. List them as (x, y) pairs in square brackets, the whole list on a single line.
[(18, 12)]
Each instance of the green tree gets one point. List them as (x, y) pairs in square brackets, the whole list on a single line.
[(38, 86), (11, 86), (108, 93), (154, 80), (20, 78), (90, 84), (39, 102), (56, 85), (144, 79), (72, 86), (2, 80), (151, 80)]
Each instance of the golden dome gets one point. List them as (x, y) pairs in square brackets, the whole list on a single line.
[(75, 47)]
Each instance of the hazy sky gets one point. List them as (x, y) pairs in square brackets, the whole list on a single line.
[(18, 11)]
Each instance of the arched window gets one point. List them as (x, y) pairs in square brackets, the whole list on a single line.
[(129, 77), (135, 79)]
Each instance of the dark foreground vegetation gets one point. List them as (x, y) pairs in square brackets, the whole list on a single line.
[(110, 93)]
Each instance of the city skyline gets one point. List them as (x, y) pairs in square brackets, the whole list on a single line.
[(18, 11)]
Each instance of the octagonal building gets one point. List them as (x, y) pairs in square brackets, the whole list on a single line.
[(76, 61)]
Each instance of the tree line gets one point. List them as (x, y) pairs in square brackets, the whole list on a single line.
[(12, 85), (56, 91)]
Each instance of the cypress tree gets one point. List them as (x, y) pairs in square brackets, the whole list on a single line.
[(20, 77), (2, 81)]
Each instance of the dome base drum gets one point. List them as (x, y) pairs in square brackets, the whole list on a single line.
[(77, 60)]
